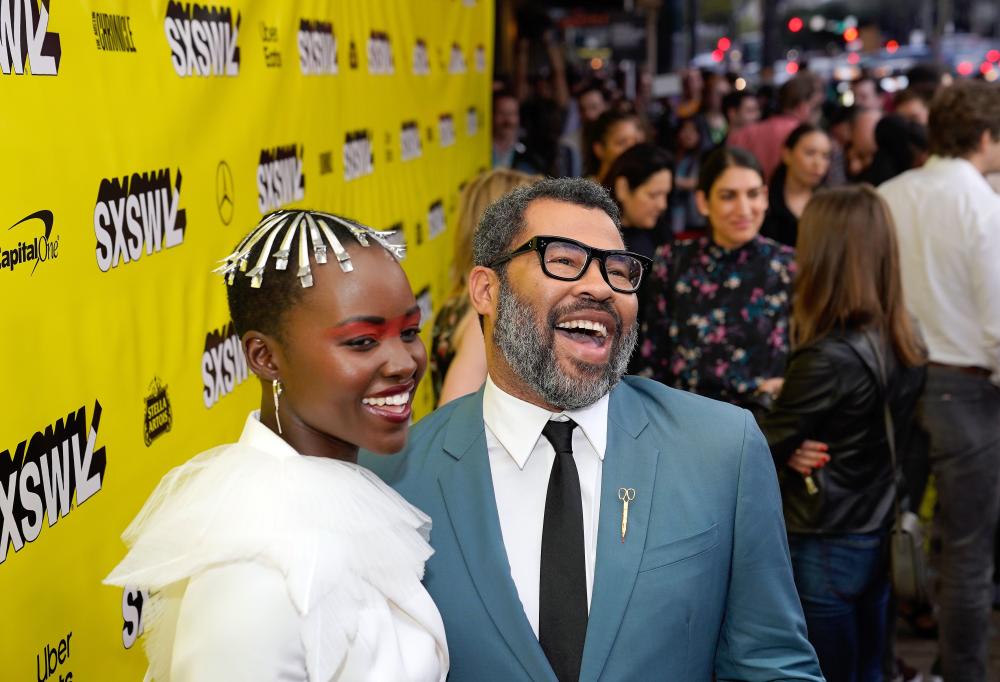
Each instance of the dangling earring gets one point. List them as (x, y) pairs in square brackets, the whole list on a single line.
[(277, 389)]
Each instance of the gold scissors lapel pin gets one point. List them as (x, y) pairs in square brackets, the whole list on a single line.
[(626, 495)]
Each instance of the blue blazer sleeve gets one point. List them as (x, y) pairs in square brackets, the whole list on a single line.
[(763, 632)]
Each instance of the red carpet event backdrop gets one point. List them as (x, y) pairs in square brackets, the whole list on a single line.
[(140, 142)]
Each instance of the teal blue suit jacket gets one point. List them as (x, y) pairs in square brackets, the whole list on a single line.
[(701, 585)]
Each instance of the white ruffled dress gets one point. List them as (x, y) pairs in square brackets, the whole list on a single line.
[(263, 564)]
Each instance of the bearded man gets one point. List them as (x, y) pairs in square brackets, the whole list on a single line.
[(589, 526)]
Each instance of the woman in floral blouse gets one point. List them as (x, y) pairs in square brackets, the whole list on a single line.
[(717, 319)]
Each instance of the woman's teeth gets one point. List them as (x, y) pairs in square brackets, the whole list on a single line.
[(597, 327), (398, 399)]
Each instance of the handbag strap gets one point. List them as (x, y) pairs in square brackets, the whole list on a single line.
[(882, 381)]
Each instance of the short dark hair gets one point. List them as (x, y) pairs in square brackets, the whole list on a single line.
[(801, 131), (911, 94), (263, 309), (721, 159), (503, 220), (959, 116), (796, 90), (637, 164), (598, 130), (734, 99)]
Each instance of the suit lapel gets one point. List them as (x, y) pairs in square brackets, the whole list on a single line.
[(467, 487), (629, 462)]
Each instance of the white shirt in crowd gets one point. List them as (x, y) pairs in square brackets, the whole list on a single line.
[(948, 226), (521, 460)]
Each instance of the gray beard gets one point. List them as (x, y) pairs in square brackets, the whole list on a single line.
[(529, 349)]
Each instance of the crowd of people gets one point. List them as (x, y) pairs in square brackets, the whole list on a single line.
[(567, 513), (781, 278)]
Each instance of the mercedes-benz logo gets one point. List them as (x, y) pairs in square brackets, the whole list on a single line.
[(224, 192)]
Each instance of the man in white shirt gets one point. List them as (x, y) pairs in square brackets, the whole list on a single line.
[(589, 526), (948, 227)]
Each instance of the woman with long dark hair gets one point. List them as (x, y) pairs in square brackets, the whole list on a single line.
[(716, 322), (855, 352), (640, 181), (805, 163)]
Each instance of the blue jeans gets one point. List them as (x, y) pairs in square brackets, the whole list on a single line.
[(843, 583)]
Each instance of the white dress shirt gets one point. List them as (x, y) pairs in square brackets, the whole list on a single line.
[(948, 227), (521, 461)]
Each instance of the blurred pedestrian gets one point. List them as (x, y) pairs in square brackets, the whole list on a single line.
[(684, 214), (612, 133), (797, 100), (948, 219), (855, 353), (640, 181), (902, 145), (805, 162), (741, 108)]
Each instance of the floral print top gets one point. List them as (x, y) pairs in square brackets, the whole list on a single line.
[(716, 321)]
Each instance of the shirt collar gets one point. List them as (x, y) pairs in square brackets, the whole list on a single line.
[(260, 437), (957, 164), (518, 424)]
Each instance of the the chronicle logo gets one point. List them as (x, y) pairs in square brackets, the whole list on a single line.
[(446, 130), (317, 48), (41, 477), (113, 32), (380, 54), (409, 141), (223, 364), (456, 64), (280, 177), (131, 212), (158, 417), (133, 599), (35, 250), (359, 157), (203, 39), (25, 39), (421, 58)]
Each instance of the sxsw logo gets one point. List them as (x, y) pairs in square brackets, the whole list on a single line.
[(421, 59), (380, 54), (457, 62), (132, 212), (25, 39), (359, 156), (280, 178), (317, 48), (409, 140), (203, 39), (223, 364)]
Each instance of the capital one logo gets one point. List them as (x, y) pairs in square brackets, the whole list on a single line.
[(25, 39)]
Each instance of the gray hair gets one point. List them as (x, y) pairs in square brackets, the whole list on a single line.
[(503, 220)]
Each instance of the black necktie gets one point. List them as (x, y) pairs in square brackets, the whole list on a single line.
[(562, 598)]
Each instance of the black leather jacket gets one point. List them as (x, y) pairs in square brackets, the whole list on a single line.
[(831, 395)]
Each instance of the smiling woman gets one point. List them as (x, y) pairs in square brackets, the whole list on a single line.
[(716, 321), (275, 557)]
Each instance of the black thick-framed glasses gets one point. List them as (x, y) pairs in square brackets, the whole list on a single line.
[(567, 259)]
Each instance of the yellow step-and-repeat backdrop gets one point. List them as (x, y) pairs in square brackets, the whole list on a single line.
[(139, 141)]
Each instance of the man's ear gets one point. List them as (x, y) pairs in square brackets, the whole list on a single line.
[(262, 355), (484, 290), (701, 201)]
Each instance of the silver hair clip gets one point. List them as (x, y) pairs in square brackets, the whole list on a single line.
[(313, 229)]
